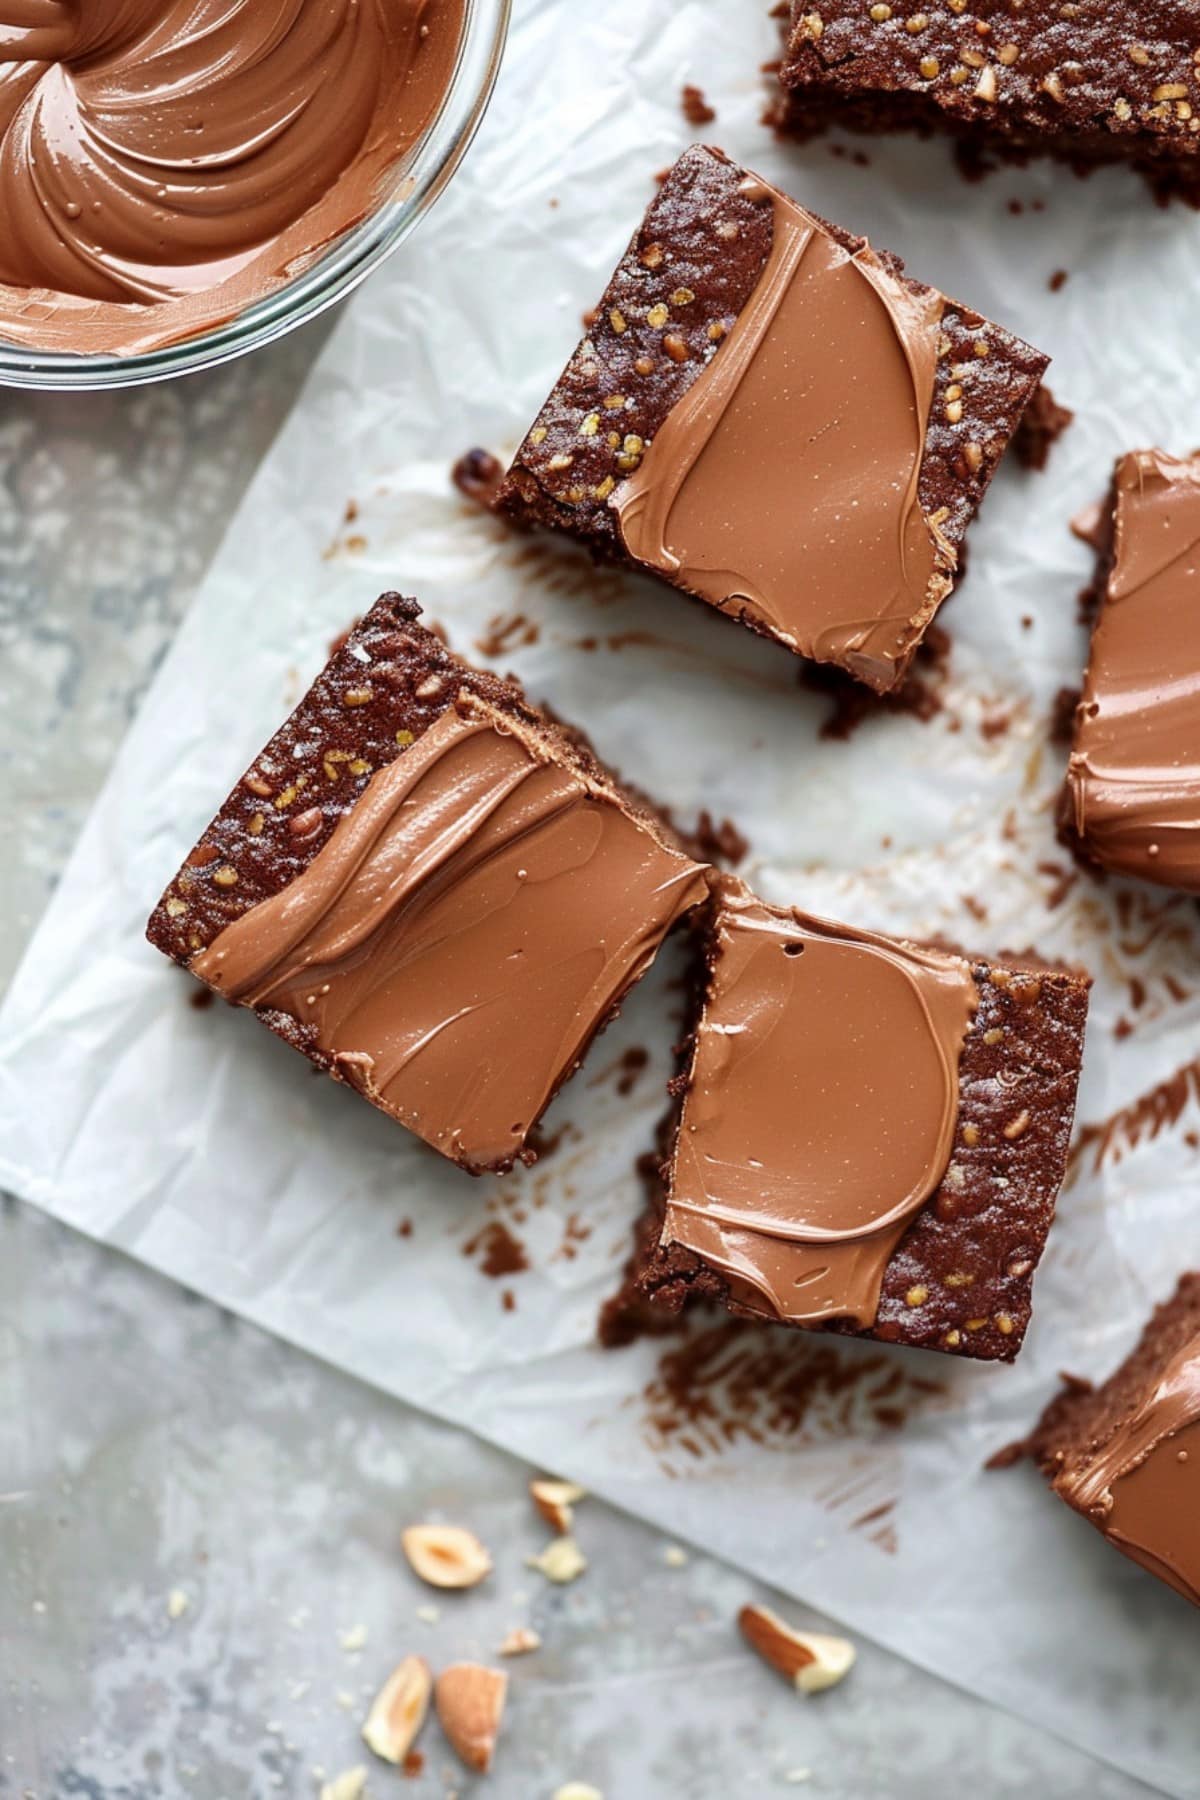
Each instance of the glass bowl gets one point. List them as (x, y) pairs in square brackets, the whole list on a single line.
[(414, 186)]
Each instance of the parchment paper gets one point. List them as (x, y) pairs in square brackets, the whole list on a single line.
[(198, 1143)]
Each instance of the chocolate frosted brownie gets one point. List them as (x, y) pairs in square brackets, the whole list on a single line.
[(436, 893), (1127, 1454), (1077, 79), (1132, 797), (769, 415), (869, 1135)]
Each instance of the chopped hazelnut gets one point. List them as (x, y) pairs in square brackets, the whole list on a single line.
[(657, 316)]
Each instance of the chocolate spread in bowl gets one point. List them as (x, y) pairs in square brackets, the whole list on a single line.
[(165, 163)]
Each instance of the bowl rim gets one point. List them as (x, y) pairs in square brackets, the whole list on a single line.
[(415, 185)]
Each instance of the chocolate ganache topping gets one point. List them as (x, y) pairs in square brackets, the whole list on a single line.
[(1143, 1486), (163, 163), (783, 486), (1133, 782), (821, 1107), (463, 933)]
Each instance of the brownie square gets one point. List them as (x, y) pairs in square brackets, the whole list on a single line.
[(433, 891), (1080, 80), (770, 416), (1127, 1454), (1132, 797), (868, 1135)]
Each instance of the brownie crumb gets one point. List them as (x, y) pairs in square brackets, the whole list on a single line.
[(477, 475), (201, 999), (505, 632), (502, 1253), (696, 109), (723, 842), (1057, 281), (1041, 427)]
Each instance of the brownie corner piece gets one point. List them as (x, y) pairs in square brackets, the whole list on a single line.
[(1085, 83), (814, 1189), (672, 443), (1132, 788), (434, 891), (1126, 1454)]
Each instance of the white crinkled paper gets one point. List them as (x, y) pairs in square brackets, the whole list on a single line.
[(197, 1142)]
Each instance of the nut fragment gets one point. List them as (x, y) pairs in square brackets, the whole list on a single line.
[(446, 1556), (398, 1710), (554, 1500), (985, 87), (225, 876), (520, 1641), (349, 1785), (809, 1659), (470, 1703), (561, 1561)]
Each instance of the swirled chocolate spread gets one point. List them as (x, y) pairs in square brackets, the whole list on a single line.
[(164, 163), (435, 893), (1132, 799), (770, 416), (821, 1109), (1127, 1454), (817, 535), (867, 1136)]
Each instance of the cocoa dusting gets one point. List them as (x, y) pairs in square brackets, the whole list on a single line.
[(1062, 881), (477, 476), (502, 1253), (505, 632), (853, 703), (722, 843), (1042, 424), (1153, 1112), (575, 1232), (976, 908), (627, 1068), (735, 1380), (696, 109)]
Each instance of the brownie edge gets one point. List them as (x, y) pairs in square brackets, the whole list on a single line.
[(960, 1279)]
